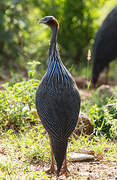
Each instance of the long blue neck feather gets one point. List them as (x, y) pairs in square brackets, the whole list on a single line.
[(55, 66), (56, 71)]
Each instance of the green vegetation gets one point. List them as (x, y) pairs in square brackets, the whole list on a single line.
[(24, 143), (26, 154), (22, 39), (103, 114), (17, 106), (76, 20)]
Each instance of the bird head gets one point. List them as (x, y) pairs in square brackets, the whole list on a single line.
[(49, 20)]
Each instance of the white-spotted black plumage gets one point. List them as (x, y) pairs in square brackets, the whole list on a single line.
[(57, 102)]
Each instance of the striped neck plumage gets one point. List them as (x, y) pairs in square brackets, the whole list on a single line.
[(56, 72)]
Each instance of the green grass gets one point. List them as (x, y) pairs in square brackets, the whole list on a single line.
[(98, 144), (18, 111), (20, 153), (102, 110)]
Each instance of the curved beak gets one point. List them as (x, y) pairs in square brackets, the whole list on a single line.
[(41, 21)]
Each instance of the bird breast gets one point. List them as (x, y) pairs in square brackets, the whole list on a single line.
[(57, 74), (58, 110)]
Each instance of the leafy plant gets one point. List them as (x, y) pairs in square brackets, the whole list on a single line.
[(76, 26), (17, 105), (32, 73), (103, 114)]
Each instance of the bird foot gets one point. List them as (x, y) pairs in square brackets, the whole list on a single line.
[(51, 170), (65, 171)]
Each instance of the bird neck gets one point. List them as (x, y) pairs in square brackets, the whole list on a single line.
[(56, 71), (52, 47)]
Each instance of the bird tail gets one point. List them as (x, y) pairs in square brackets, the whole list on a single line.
[(59, 150)]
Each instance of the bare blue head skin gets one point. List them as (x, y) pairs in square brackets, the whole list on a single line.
[(53, 24)]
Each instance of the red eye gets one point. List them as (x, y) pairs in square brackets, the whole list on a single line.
[(45, 19)]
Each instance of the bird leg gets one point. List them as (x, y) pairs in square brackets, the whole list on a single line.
[(65, 170), (52, 168)]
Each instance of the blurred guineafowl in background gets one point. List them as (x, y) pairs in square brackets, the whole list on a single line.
[(105, 45), (57, 101)]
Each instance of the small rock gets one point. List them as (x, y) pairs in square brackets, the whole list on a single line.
[(84, 125), (105, 90), (87, 151), (74, 157), (111, 106)]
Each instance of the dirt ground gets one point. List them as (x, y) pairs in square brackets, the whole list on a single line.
[(98, 169), (94, 170)]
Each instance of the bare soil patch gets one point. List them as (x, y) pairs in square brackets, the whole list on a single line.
[(94, 170)]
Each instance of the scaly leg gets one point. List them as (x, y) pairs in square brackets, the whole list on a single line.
[(65, 170), (52, 168)]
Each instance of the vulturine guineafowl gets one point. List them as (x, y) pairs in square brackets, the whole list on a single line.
[(105, 45), (57, 101)]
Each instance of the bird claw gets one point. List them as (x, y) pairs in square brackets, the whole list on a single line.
[(65, 171), (51, 170)]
